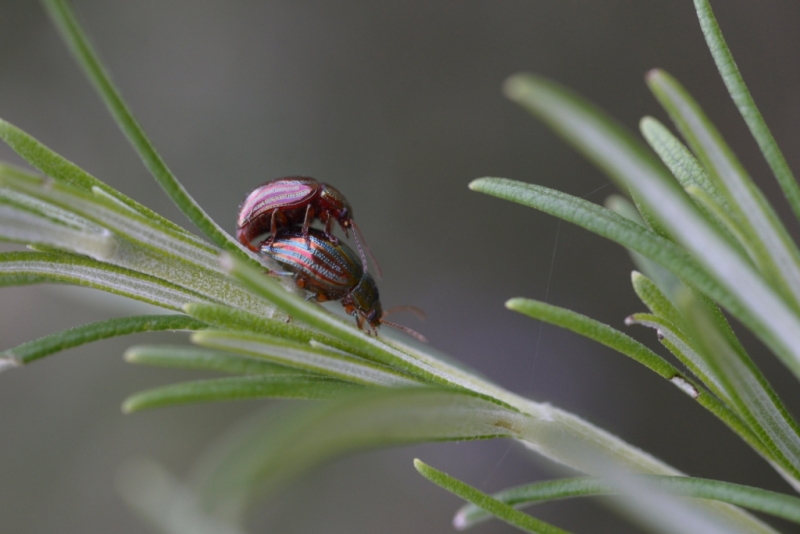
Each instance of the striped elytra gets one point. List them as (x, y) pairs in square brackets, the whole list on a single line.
[(329, 271)]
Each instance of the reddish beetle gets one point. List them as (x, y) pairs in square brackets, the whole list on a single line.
[(281, 204), (331, 271)]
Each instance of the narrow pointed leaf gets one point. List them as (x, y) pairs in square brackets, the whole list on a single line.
[(59, 168), (371, 347), (628, 346), (88, 333), (115, 217), (610, 225), (687, 353), (766, 234), (281, 386), (137, 243), (485, 502), (678, 159), (188, 357), (225, 317), (665, 279), (695, 181), (81, 48), (24, 227), (653, 508), (747, 107), (19, 268), (304, 357), (652, 297), (769, 502), (595, 330), (746, 295), (749, 391)]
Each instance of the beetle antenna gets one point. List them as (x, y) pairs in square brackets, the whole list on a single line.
[(413, 333), (413, 309), (359, 237)]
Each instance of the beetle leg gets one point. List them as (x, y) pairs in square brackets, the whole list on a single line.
[(345, 228), (273, 231), (307, 221), (329, 230), (267, 243), (273, 225)]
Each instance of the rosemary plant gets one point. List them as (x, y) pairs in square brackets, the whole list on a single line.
[(703, 235)]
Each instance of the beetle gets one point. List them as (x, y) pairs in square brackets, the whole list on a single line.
[(330, 270), (279, 205)]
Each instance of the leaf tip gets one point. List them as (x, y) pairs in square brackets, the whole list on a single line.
[(653, 75), (516, 86), (647, 122), (131, 355), (475, 185), (9, 360), (515, 303), (198, 336), (460, 520), (129, 406), (420, 466)]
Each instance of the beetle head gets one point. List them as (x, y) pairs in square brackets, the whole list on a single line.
[(365, 301), (333, 201)]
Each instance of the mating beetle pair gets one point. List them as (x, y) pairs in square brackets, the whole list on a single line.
[(282, 204), (322, 265)]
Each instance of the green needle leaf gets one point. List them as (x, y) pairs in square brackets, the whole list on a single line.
[(371, 347), (88, 333), (596, 331), (747, 107), (747, 296), (750, 393), (610, 225), (778, 256), (628, 346), (56, 166), (281, 386), (304, 357), (678, 159), (78, 43), (485, 502), (19, 268), (225, 317), (769, 502), (114, 234), (196, 358)]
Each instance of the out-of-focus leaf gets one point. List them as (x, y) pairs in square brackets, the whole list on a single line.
[(280, 386), (268, 451)]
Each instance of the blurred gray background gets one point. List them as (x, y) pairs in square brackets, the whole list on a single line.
[(399, 106)]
